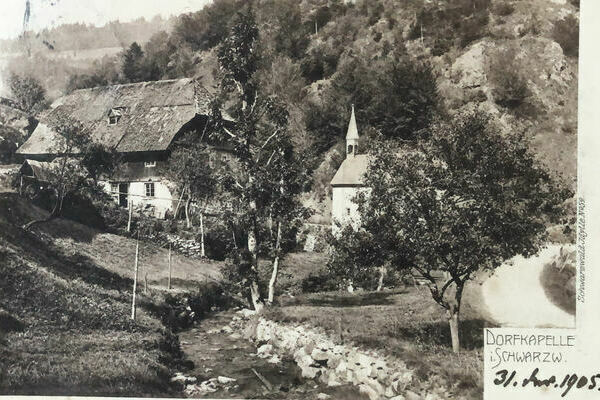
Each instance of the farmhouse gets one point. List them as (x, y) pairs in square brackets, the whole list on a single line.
[(140, 121), (348, 182)]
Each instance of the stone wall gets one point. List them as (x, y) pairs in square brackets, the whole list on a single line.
[(377, 376)]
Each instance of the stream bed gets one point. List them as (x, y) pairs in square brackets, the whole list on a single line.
[(226, 365)]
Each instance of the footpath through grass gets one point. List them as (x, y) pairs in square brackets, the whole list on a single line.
[(405, 323)]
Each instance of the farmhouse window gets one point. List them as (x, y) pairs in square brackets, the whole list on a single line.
[(150, 164), (114, 115), (149, 189), (114, 188)]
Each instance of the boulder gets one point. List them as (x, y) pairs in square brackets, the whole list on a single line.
[(223, 380), (309, 372), (274, 359), (341, 367), (376, 386), (363, 373), (410, 395), (323, 396), (320, 355), (264, 351), (226, 329), (369, 391)]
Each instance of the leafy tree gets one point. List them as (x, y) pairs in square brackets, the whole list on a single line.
[(407, 101), (206, 28), (396, 97), (77, 165), (29, 94), (566, 33), (133, 63), (463, 201), (189, 168), (84, 81), (264, 182), (158, 51), (282, 28)]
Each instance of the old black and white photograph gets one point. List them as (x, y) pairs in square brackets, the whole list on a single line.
[(282, 199)]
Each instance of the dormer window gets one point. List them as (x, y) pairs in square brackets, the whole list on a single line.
[(115, 114), (150, 164)]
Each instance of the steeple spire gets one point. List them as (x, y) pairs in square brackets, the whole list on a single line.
[(352, 136)]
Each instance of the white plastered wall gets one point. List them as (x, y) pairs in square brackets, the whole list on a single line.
[(159, 204), (343, 210)]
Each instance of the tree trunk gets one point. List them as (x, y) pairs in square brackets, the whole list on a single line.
[(453, 321), (187, 213), (129, 216), (253, 249), (382, 272), (179, 203), (202, 252), (275, 266), (453, 315), (54, 214)]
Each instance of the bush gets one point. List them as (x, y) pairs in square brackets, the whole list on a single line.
[(473, 29), (510, 87), (441, 46), (319, 282), (566, 33), (179, 311), (503, 9), (218, 242)]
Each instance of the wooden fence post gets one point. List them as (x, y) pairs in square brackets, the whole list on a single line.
[(169, 281), (137, 249), (129, 219)]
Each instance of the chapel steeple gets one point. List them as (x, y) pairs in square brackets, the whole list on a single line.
[(352, 136)]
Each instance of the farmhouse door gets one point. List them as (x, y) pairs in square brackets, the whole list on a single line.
[(123, 194)]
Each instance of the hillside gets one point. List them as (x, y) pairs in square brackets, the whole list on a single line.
[(65, 324), (508, 43), (517, 60)]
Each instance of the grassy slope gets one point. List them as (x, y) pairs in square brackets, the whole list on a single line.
[(75, 334)]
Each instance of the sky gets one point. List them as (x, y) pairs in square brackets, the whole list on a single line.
[(49, 13)]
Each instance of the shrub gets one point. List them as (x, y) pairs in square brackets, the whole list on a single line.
[(566, 33), (473, 29), (319, 282), (217, 242), (441, 46), (510, 87), (532, 25), (179, 311), (503, 9)]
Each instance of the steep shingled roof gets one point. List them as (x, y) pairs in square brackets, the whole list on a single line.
[(352, 171), (152, 113)]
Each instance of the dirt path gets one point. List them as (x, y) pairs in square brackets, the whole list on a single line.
[(220, 354), (515, 297)]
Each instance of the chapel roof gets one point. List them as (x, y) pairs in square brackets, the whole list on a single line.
[(352, 171)]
